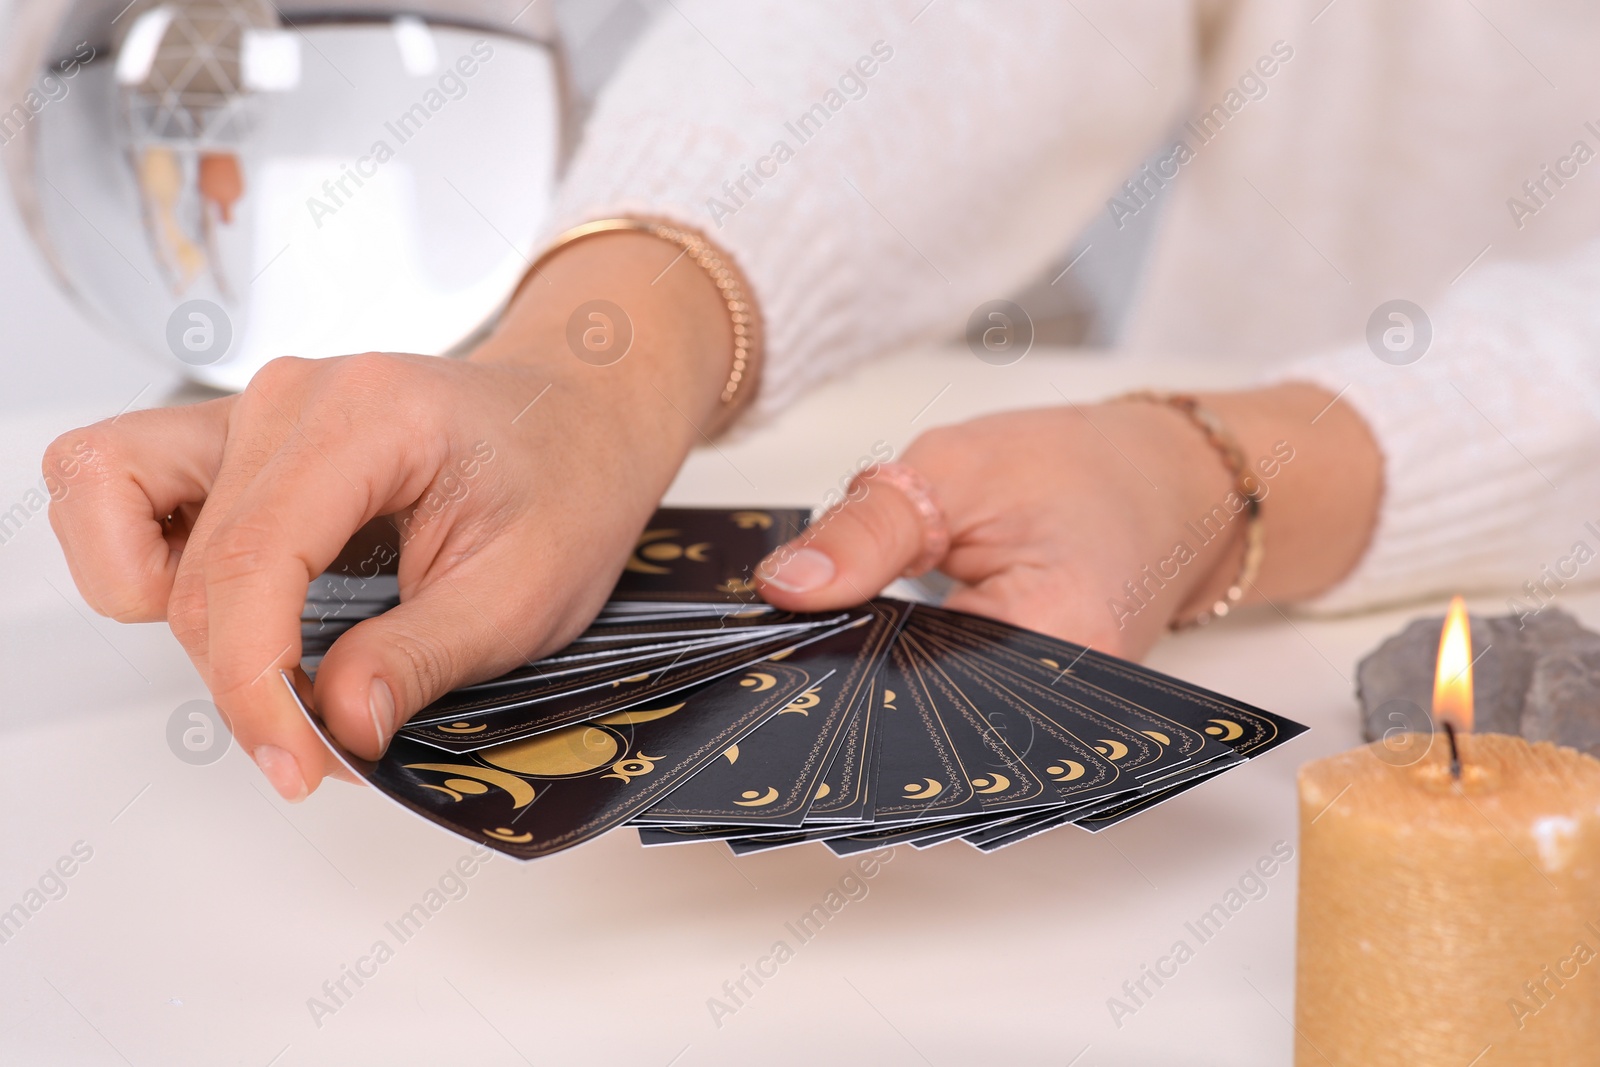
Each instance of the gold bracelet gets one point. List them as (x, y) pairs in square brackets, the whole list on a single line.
[(1221, 439), (730, 286)]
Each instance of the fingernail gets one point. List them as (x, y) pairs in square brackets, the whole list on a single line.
[(380, 705), (798, 572), (282, 771)]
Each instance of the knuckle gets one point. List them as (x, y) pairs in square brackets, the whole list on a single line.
[(186, 616), (429, 667), (280, 372), (366, 368), (74, 453), (128, 603), (267, 399), (237, 550)]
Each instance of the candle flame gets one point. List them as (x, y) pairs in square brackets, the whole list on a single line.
[(1452, 679)]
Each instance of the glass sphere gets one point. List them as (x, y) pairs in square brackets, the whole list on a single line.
[(227, 181)]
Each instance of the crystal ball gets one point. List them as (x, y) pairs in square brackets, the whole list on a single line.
[(222, 182)]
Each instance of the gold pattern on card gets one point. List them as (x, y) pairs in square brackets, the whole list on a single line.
[(1111, 750), (731, 754), (557, 754), (993, 783), (462, 728), (802, 704), (1048, 662), (654, 549), (1157, 736), (1226, 729), (926, 789), (631, 679), (755, 798), (758, 681), (888, 699), (751, 520), (626, 770), (735, 586), (1065, 771), (823, 790), (509, 836), (520, 792), (637, 715)]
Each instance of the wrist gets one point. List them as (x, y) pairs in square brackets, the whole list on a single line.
[(1323, 471), (629, 317), (1206, 509)]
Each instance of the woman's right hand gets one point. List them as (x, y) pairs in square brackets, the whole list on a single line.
[(517, 481)]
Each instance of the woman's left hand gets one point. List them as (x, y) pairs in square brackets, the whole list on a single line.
[(1103, 524)]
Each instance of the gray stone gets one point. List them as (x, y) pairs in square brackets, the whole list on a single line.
[(1539, 678), (1564, 700)]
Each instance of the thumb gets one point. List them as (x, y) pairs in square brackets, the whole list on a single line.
[(853, 551), (387, 668)]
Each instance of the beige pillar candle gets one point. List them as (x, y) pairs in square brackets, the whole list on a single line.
[(1449, 921), (1438, 919)]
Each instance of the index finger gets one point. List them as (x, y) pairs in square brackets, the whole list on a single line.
[(284, 529)]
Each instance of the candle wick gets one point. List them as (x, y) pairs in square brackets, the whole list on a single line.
[(1455, 752)]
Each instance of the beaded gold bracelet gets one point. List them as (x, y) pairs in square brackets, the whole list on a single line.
[(730, 287), (1221, 439)]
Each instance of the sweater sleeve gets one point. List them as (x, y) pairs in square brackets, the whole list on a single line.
[(1491, 440), (878, 169)]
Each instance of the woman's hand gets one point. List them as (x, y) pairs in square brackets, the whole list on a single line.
[(1105, 523), (517, 482)]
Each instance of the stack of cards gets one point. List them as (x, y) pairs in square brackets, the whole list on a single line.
[(694, 712)]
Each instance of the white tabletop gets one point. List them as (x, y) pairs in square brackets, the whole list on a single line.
[(210, 912)]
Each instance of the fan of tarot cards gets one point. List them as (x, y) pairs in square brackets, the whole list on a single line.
[(693, 711)]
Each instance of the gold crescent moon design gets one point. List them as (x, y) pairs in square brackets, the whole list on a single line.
[(736, 586), (462, 728), (630, 678), (508, 835), (697, 552), (1225, 729), (1111, 750), (574, 750), (755, 798), (732, 753), (923, 790), (758, 681), (1048, 662), (626, 770), (1157, 736), (888, 698), (638, 715), (521, 792), (783, 655), (802, 704), (822, 791), (983, 785), (637, 564), (1065, 771), (751, 520)]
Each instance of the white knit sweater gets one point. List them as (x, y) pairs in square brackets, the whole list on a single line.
[(880, 168)]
